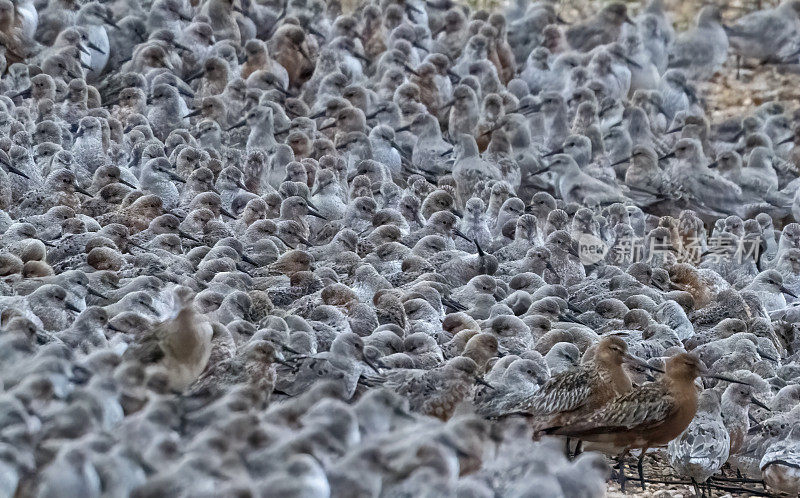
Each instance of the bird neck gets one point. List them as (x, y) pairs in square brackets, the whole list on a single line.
[(262, 129), (558, 119), (184, 341), (571, 171), (683, 389), (614, 373)]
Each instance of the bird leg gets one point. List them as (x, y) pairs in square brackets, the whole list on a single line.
[(696, 488), (640, 467), (621, 469), (570, 454)]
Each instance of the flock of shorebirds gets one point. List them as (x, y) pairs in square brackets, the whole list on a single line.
[(395, 248)]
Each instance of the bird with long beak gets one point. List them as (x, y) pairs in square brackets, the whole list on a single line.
[(648, 416), (575, 393)]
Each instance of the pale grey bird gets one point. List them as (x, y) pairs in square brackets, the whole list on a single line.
[(779, 463), (93, 17), (536, 70), (71, 472), (704, 186), (166, 110), (574, 185), (600, 29), (768, 34), (554, 111), (700, 51), (469, 168), (704, 446), (47, 307), (768, 286), (657, 34), (564, 259), (464, 111), (518, 385), (430, 150), (677, 94), (561, 357), (261, 137), (157, 178), (644, 176), (344, 363), (169, 14), (736, 401)]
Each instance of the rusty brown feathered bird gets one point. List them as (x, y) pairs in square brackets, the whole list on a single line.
[(647, 416)]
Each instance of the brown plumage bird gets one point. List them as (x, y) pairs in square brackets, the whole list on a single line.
[(11, 37), (137, 216), (577, 392), (292, 262), (423, 77), (180, 346), (289, 48), (505, 56), (647, 416), (257, 58), (372, 35), (480, 349)]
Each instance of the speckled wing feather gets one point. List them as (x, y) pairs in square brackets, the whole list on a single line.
[(597, 191), (437, 395), (705, 442), (211, 384), (311, 369), (782, 452), (566, 391), (147, 349), (403, 381), (224, 373), (147, 353), (419, 387), (641, 408)]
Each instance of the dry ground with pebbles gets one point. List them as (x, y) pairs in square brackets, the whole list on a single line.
[(656, 467)]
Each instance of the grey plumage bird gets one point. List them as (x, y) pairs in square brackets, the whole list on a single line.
[(700, 51), (604, 27), (320, 249)]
